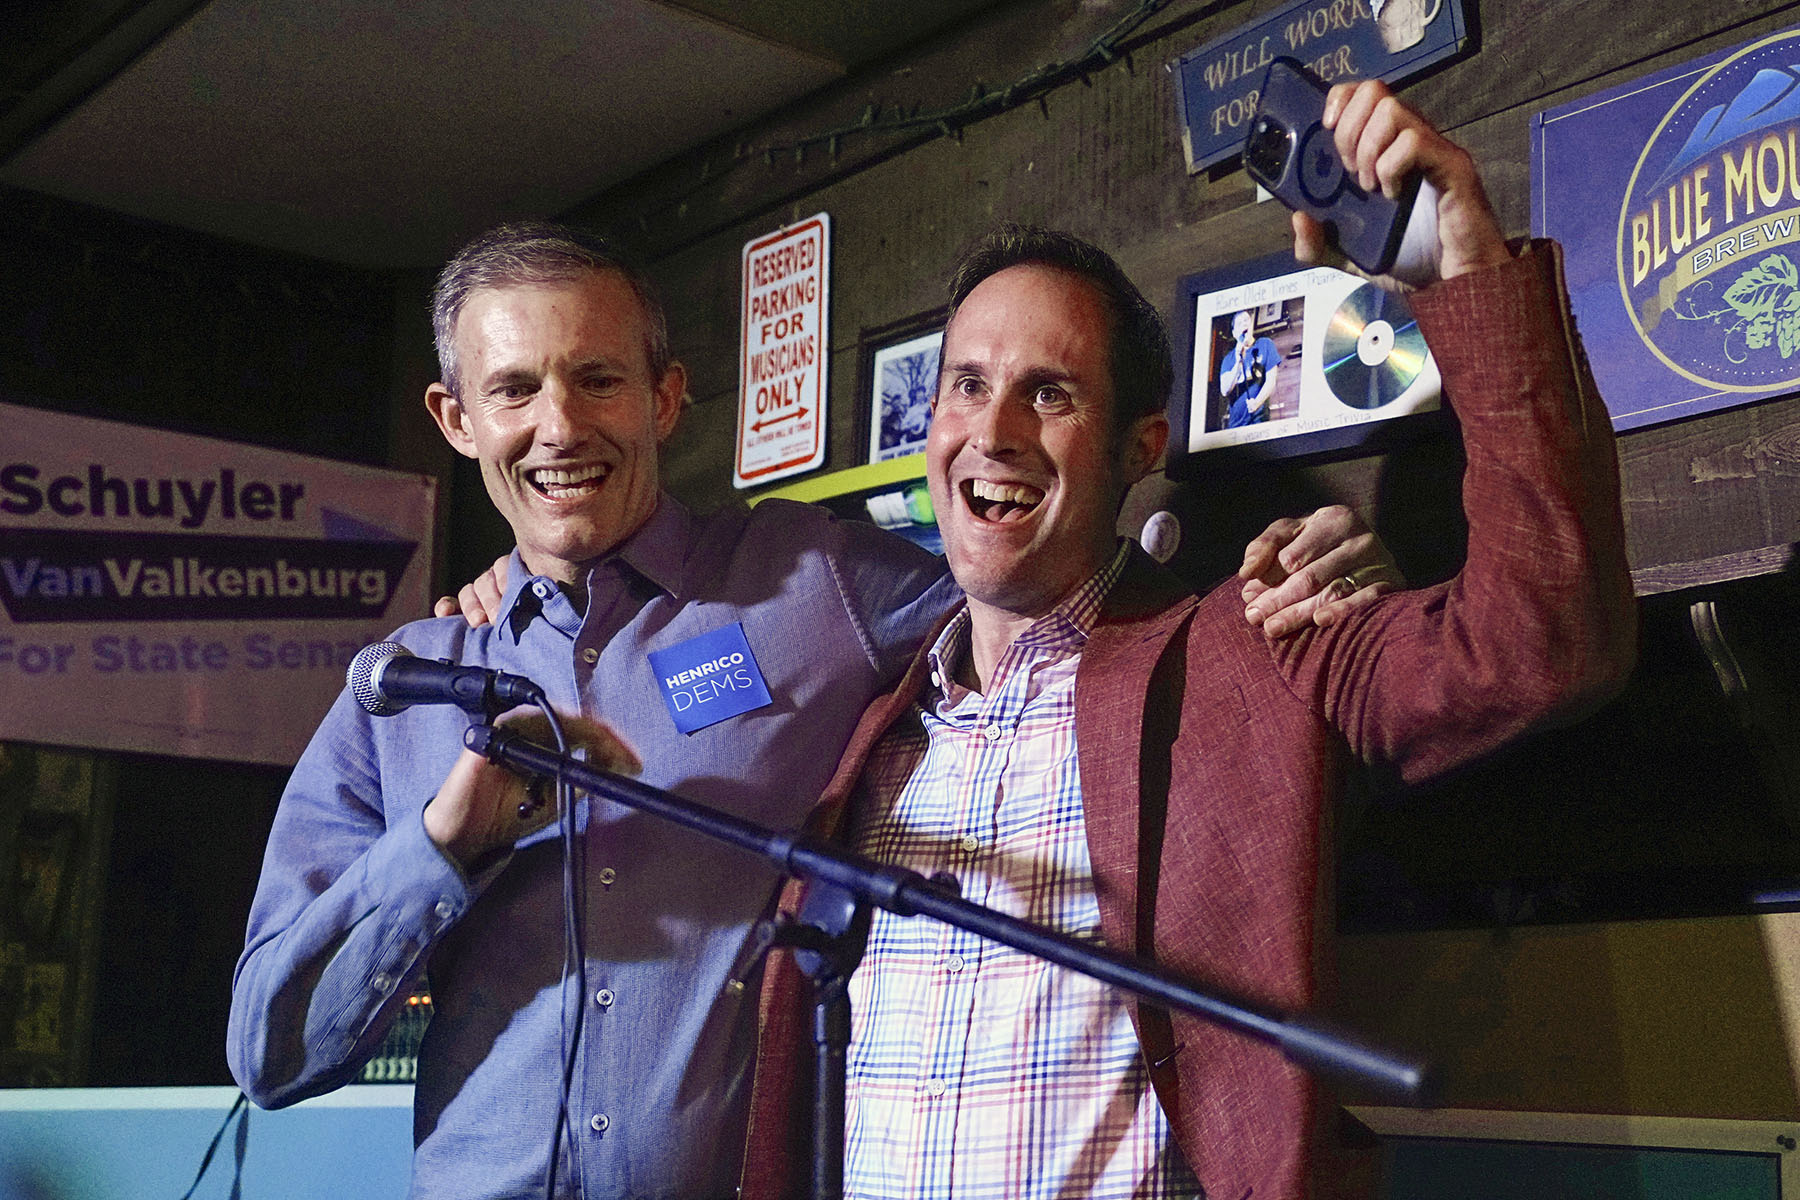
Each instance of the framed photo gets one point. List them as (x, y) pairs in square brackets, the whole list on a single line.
[(1274, 360), (899, 366)]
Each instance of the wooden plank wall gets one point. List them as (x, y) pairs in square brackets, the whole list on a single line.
[(1577, 1009), (1706, 499)]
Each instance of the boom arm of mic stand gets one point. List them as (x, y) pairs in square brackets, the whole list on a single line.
[(907, 893)]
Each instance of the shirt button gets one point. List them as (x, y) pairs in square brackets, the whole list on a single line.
[(598, 1122), (954, 963), (590, 656), (937, 680), (604, 997), (383, 983), (543, 589), (936, 1087), (607, 875), (992, 733), (970, 843), (445, 909)]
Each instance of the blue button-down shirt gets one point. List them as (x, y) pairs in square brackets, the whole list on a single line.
[(356, 902)]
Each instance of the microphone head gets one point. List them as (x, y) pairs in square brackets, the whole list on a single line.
[(364, 677)]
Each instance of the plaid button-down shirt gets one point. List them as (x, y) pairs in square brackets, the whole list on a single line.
[(976, 1071)]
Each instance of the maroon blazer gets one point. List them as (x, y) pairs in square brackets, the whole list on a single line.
[(1209, 755)]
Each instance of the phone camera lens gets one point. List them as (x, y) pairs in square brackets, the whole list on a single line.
[(1268, 147)]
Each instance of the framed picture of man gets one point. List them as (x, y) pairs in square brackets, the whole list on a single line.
[(899, 375), (1275, 360), (1250, 345)]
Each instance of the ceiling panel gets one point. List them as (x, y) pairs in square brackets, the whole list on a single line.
[(381, 133), (849, 33)]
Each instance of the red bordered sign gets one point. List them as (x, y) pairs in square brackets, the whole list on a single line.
[(781, 372)]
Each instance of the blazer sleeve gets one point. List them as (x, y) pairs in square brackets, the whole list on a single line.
[(1540, 623)]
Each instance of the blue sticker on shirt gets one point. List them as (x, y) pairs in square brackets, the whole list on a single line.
[(709, 679)]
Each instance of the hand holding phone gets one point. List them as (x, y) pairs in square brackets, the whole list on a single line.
[(1386, 146), (1292, 154)]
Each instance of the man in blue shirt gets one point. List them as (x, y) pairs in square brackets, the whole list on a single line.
[(558, 379), (394, 849), (1247, 376)]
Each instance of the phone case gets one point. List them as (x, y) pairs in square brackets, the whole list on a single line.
[(1290, 152)]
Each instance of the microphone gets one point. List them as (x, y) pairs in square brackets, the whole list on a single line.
[(387, 678)]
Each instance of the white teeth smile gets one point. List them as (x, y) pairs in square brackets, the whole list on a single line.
[(1006, 493), (1002, 502), (559, 483)]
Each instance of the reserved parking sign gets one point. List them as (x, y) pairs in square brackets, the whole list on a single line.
[(781, 377)]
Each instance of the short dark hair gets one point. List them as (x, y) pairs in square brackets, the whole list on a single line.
[(526, 252), (1141, 371)]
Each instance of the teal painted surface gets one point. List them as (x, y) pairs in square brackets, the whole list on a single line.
[(70, 1145), (1444, 1169)]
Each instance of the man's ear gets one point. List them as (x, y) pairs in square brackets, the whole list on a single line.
[(1144, 444), (670, 391), (451, 419)]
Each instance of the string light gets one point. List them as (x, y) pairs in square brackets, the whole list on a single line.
[(982, 103), (878, 119)]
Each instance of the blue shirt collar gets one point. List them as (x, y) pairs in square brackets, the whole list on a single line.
[(658, 551)]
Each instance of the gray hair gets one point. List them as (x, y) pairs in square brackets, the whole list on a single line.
[(528, 252)]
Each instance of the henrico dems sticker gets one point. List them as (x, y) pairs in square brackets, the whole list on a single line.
[(710, 678)]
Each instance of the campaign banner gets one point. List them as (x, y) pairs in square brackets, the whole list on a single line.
[(1216, 84), (171, 594), (1676, 198), (781, 375)]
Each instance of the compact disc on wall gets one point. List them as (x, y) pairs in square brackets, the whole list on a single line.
[(1373, 348)]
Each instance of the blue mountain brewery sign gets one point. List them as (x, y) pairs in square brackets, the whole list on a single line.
[(1677, 198), (1707, 238)]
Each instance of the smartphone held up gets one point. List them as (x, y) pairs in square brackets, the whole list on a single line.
[(1291, 154)]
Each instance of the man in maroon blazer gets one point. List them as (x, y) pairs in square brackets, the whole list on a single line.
[(1205, 755)]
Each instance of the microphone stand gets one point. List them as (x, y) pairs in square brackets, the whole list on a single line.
[(833, 926)]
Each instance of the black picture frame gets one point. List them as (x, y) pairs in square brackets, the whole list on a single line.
[(874, 344), (1202, 295)]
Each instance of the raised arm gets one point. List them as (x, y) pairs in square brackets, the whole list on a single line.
[(1540, 623)]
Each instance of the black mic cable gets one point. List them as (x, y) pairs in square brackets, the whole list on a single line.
[(386, 678)]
